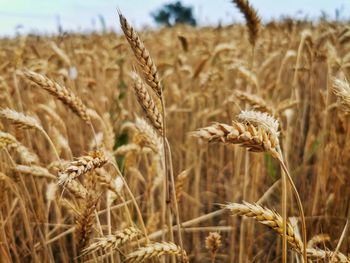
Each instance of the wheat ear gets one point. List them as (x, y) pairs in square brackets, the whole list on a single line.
[(153, 250), (151, 76), (81, 166), (20, 120), (142, 55), (34, 170), (251, 17), (60, 92), (341, 88), (273, 220), (256, 102), (85, 221), (320, 254), (247, 135), (23, 121), (147, 103), (268, 218), (259, 133), (9, 141), (113, 241)]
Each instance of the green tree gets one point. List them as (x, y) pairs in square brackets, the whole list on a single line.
[(174, 13)]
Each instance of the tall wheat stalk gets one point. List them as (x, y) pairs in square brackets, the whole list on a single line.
[(151, 75)]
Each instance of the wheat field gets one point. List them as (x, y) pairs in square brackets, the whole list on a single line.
[(183, 144)]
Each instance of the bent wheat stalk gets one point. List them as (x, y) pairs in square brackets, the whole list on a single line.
[(151, 76)]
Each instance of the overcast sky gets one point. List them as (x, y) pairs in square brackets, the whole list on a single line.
[(43, 15)]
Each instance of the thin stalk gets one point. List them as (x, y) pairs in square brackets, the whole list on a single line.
[(138, 211), (51, 144), (174, 195), (168, 161), (300, 207), (284, 217)]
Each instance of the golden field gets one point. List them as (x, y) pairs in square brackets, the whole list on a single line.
[(84, 177)]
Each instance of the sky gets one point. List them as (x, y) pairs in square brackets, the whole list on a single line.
[(43, 16)]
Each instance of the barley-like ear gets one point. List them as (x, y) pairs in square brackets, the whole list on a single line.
[(149, 107), (268, 218), (81, 166), (114, 241), (251, 17), (153, 250), (60, 92), (142, 55)]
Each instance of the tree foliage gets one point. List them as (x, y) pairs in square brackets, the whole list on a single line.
[(174, 13)]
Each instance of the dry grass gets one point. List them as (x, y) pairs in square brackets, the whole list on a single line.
[(123, 187)]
